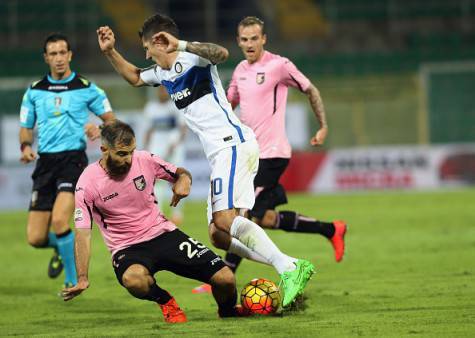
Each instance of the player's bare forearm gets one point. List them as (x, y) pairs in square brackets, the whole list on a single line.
[(26, 135), (182, 173), (316, 103), (182, 186), (213, 52), (26, 140), (128, 71), (82, 251), (317, 106)]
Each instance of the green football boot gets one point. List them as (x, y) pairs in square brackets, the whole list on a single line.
[(293, 282)]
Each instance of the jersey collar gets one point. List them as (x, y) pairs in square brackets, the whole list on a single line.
[(69, 78)]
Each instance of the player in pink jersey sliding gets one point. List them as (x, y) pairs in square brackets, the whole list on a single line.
[(117, 193), (188, 71), (259, 85)]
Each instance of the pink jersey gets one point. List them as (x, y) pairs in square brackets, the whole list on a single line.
[(261, 91), (125, 210)]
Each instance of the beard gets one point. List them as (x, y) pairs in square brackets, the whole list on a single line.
[(116, 169)]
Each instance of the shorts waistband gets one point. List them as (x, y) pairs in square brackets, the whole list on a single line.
[(62, 153)]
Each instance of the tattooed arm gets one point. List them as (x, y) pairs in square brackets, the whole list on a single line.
[(317, 106), (213, 52)]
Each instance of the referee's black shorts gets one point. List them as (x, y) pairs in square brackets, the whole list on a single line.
[(172, 251), (55, 172)]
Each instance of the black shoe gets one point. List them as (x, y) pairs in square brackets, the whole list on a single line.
[(55, 266)]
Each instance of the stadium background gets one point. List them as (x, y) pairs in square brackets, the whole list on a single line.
[(391, 73), (397, 79)]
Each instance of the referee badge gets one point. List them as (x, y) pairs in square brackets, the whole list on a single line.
[(57, 104), (140, 183), (260, 78)]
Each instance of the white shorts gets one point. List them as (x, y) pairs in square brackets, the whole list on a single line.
[(232, 178)]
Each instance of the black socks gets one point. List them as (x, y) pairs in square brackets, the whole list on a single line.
[(157, 294), (291, 221)]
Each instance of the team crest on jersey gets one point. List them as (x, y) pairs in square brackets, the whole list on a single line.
[(260, 78), (178, 67), (57, 104), (140, 183)]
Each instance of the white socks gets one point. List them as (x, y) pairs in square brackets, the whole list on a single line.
[(237, 248), (256, 239)]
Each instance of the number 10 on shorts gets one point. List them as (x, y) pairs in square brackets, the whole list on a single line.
[(216, 186)]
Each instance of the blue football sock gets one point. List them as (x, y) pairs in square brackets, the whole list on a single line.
[(66, 251), (52, 241)]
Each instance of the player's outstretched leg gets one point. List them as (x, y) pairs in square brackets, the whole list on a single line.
[(338, 239), (292, 283), (294, 273), (334, 231), (140, 284), (233, 246)]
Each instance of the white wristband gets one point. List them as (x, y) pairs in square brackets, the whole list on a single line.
[(181, 45)]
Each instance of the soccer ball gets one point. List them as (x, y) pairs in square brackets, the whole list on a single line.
[(261, 296)]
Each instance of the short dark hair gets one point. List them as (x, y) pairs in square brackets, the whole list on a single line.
[(251, 20), (158, 23), (117, 132), (53, 37)]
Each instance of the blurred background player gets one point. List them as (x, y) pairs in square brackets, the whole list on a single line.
[(259, 85), (141, 240), (58, 104), (165, 137), (188, 70)]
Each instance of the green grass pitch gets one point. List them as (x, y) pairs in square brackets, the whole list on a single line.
[(409, 271)]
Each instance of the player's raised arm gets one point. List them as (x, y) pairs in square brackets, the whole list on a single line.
[(213, 52), (316, 103), (128, 71)]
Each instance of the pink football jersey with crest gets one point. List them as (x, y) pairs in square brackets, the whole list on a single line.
[(125, 209), (261, 91)]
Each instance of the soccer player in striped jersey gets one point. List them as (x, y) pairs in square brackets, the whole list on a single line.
[(188, 71)]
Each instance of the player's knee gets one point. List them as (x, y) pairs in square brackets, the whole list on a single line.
[(269, 220), (224, 219), (219, 239), (37, 241), (136, 282), (224, 279), (59, 224)]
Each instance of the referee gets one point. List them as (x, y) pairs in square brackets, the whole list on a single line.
[(58, 106)]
